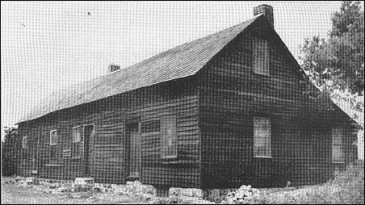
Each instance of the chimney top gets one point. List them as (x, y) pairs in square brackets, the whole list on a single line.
[(266, 10), (112, 68)]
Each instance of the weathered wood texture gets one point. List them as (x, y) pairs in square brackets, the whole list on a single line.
[(108, 163), (177, 98), (231, 94), (214, 112)]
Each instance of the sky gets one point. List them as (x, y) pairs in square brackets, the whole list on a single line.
[(46, 46)]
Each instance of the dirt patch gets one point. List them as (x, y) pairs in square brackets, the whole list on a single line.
[(16, 192), (13, 192)]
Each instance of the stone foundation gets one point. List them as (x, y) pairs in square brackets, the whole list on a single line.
[(136, 187), (132, 187), (212, 193), (83, 184), (189, 192), (216, 195)]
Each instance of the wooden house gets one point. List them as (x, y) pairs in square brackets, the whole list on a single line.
[(218, 112)]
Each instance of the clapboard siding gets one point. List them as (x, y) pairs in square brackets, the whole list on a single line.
[(103, 157), (175, 98), (231, 94), (214, 100), (108, 145)]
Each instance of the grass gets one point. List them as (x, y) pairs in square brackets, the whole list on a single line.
[(347, 187)]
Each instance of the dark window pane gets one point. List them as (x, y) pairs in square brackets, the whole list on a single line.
[(151, 126), (53, 152)]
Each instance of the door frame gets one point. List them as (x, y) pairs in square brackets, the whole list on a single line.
[(127, 147), (90, 144)]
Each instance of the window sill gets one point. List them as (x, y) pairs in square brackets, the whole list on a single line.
[(168, 157), (338, 162), (262, 74), (132, 178), (78, 157), (267, 157), (53, 165), (174, 162)]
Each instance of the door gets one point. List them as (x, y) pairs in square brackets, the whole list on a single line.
[(134, 150), (34, 154), (88, 132)]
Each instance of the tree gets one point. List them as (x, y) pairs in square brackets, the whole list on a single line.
[(8, 152), (336, 63)]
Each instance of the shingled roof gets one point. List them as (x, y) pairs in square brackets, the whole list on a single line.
[(179, 62)]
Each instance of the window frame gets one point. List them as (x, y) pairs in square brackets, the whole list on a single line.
[(25, 145), (149, 130), (266, 58), (79, 142), (163, 125), (334, 143), (53, 145), (50, 138), (25, 148), (255, 153)]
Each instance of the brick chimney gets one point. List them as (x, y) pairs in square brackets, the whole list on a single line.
[(112, 68), (267, 10)]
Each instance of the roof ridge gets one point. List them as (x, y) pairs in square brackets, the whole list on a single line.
[(191, 42), (178, 62)]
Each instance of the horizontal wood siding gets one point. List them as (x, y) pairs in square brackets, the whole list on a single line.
[(231, 95), (106, 146), (108, 163), (177, 98)]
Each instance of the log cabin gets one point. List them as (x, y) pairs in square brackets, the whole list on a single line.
[(218, 112)]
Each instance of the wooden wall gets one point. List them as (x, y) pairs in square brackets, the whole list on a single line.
[(108, 146), (231, 94), (177, 98), (214, 112)]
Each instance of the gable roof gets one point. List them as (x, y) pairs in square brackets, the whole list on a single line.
[(179, 62)]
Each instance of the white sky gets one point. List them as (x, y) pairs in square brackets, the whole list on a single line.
[(49, 45)]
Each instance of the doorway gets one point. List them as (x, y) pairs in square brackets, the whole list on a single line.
[(34, 145), (134, 151), (88, 134)]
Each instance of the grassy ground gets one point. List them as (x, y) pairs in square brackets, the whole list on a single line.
[(14, 193), (346, 188)]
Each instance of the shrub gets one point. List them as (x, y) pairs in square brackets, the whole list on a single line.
[(350, 183), (346, 187)]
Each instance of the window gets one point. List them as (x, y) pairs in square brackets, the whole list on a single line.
[(25, 142), (151, 126), (76, 142), (261, 57), (53, 140), (168, 137), (25, 147), (262, 137), (337, 151)]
